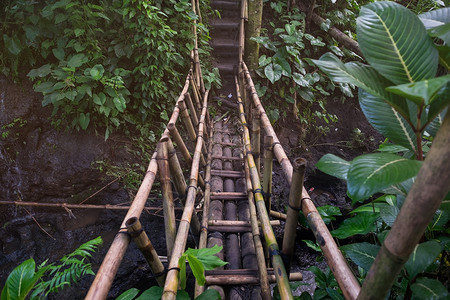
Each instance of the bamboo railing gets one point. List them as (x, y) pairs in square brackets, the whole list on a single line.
[(269, 236), (336, 261)]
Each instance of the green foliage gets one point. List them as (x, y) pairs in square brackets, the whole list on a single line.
[(199, 260), (107, 62), (403, 99), (288, 79), (23, 278), (327, 287)]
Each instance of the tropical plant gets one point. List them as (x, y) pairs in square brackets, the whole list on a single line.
[(199, 260), (401, 98), (107, 62), (25, 279)]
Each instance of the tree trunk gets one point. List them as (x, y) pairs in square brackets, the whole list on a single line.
[(253, 29), (430, 187)]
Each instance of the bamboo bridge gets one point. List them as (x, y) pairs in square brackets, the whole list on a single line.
[(230, 180)]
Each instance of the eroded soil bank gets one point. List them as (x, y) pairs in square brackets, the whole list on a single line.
[(41, 164)]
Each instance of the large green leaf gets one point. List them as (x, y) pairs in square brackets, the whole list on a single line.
[(197, 269), (395, 42), (362, 254), (334, 166), (273, 72), (154, 293), (389, 213), (128, 294), (21, 280), (363, 76), (420, 92), (437, 21), (422, 256), (362, 223), (387, 120), (371, 173), (210, 294), (429, 289)]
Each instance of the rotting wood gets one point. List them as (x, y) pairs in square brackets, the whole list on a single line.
[(294, 207), (246, 279), (170, 226), (277, 262), (338, 264), (144, 244), (172, 281)]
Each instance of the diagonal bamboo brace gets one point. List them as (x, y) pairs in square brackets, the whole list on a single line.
[(144, 244)]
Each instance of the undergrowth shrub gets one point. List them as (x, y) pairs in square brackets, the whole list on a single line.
[(102, 62)]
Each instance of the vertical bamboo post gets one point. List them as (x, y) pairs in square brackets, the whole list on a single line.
[(295, 199), (193, 112), (277, 261), (144, 244), (256, 140), (176, 172), (196, 93), (268, 167), (172, 281), (168, 207)]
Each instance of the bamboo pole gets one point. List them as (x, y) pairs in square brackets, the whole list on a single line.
[(294, 207), (277, 261), (187, 121), (242, 31), (176, 111), (278, 215), (144, 244), (75, 206), (105, 275), (246, 279), (238, 223), (338, 265), (256, 141), (204, 228), (170, 226), (196, 93), (177, 172), (179, 141), (268, 167), (171, 285), (193, 112), (426, 195), (227, 173)]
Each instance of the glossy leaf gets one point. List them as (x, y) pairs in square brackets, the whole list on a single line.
[(362, 254), (334, 166), (77, 60), (128, 294), (362, 223), (420, 92), (21, 280), (440, 103), (395, 42), (422, 256), (387, 120), (429, 289), (389, 213), (438, 19), (362, 76), (97, 72), (371, 173), (328, 213), (154, 293), (210, 294), (197, 269), (207, 257), (273, 72), (182, 274)]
